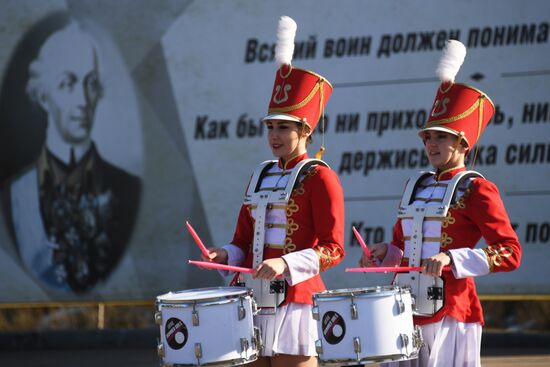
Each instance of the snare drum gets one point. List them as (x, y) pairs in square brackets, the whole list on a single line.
[(207, 327), (365, 325)]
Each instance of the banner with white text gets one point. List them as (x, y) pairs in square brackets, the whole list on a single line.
[(116, 128)]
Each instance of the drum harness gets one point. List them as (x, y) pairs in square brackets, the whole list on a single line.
[(268, 295), (427, 291)]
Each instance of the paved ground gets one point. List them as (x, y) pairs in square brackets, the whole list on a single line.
[(147, 358), (516, 361), (135, 348)]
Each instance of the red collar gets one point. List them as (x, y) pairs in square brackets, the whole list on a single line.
[(292, 162), (448, 173)]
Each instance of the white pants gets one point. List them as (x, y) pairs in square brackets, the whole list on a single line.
[(292, 330), (447, 343)]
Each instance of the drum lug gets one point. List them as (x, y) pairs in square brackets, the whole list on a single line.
[(195, 318), (195, 315), (353, 308), (158, 318), (315, 313), (160, 350), (401, 306), (404, 340), (242, 311), (257, 339), (319, 346), (405, 343), (357, 347), (417, 340), (198, 352), (357, 344), (354, 313), (244, 346), (254, 306)]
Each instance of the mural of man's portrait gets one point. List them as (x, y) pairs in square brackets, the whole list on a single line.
[(71, 210)]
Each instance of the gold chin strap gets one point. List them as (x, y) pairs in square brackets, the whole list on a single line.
[(322, 149), (479, 124)]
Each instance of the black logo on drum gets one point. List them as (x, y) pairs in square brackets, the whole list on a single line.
[(334, 327), (175, 332)]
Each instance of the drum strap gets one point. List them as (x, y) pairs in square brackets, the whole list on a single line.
[(420, 212), (261, 199), (419, 282)]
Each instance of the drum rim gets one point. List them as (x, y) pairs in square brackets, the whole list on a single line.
[(229, 362), (237, 292), (363, 292), (373, 359)]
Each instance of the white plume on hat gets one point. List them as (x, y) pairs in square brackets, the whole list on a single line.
[(451, 60), (284, 49)]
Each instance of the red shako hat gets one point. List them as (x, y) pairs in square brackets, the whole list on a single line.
[(298, 94), (458, 109)]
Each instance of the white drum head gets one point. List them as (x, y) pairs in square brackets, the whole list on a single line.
[(358, 292), (202, 294)]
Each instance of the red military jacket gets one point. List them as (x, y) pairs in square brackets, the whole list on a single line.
[(478, 213), (314, 220)]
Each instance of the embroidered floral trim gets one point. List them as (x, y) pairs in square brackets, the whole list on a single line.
[(460, 202), (309, 173), (496, 255), (327, 257), (449, 219), (446, 240), (291, 227), (289, 246), (299, 190), (291, 207)]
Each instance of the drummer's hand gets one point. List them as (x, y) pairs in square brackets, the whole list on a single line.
[(270, 269), (378, 252), (217, 255), (433, 266)]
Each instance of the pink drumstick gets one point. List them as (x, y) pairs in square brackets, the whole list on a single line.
[(197, 240), (361, 242), (213, 265), (384, 269), (391, 269)]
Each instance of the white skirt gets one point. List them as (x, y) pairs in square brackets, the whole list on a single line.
[(447, 343), (291, 330)]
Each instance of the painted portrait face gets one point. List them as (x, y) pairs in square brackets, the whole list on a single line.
[(70, 84)]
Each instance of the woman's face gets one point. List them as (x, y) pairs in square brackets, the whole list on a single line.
[(286, 139), (443, 149)]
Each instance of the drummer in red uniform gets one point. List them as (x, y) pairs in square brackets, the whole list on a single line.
[(291, 225), (435, 230)]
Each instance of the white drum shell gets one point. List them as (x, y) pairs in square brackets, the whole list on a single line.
[(383, 325), (220, 332)]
